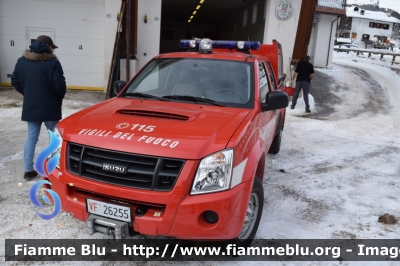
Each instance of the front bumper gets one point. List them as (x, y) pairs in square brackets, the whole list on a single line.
[(174, 213)]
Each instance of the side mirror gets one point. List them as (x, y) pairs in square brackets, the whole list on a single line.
[(118, 85), (275, 100), (282, 78)]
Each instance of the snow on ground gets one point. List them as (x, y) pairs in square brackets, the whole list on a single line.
[(337, 172)]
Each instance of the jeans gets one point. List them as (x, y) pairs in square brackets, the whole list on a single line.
[(33, 137), (305, 85)]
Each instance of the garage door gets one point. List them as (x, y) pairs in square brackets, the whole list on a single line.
[(77, 28)]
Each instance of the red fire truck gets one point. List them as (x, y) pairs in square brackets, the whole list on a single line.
[(181, 150)]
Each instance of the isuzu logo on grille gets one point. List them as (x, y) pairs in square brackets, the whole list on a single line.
[(114, 168)]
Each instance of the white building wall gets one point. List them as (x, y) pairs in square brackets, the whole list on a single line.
[(282, 31), (324, 31), (148, 43), (313, 42), (361, 26), (74, 23)]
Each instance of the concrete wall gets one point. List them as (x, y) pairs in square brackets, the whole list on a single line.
[(323, 32), (282, 31), (148, 44)]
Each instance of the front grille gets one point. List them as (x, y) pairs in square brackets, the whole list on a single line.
[(143, 172)]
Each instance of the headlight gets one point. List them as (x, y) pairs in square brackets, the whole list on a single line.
[(57, 152), (214, 173)]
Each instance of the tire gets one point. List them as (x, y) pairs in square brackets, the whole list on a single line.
[(276, 142), (253, 214)]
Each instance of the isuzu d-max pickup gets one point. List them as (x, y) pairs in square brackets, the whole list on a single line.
[(181, 150)]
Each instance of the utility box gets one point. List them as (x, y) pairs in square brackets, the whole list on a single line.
[(134, 67)]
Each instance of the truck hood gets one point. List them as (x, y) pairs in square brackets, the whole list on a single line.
[(166, 129)]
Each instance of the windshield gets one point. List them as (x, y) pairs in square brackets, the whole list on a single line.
[(226, 83)]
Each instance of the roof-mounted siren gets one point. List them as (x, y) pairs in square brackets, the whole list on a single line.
[(362, 11), (206, 45)]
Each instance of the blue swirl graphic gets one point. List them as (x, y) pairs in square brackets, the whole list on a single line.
[(45, 153), (48, 158), (35, 201)]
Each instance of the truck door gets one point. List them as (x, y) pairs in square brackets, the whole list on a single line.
[(273, 82), (268, 117)]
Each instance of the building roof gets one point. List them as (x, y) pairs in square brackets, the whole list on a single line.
[(372, 15)]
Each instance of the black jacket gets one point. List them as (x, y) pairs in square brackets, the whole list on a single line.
[(38, 76), (304, 69)]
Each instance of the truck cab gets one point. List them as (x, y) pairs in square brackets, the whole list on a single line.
[(181, 150)]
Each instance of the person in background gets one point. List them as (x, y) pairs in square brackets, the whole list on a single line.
[(39, 77), (304, 73)]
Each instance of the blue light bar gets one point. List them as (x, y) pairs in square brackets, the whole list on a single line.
[(239, 45)]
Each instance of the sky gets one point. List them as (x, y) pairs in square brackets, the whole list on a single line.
[(393, 4), (333, 177)]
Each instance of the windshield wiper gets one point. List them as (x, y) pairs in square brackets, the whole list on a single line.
[(144, 95), (192, 99)]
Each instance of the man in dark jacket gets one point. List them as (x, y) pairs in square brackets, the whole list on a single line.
[(304, 73), (39, 77)]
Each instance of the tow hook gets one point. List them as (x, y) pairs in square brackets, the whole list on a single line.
[(119, 230)]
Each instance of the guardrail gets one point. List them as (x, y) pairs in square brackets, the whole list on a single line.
[(369, 52)]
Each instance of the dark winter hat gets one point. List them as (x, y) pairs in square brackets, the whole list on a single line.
[(46, 40)]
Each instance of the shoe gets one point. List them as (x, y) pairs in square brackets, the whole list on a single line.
[(308, 111), (30, 175), (292, 107)]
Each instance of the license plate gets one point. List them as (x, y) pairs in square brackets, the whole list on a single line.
[(113, 211)]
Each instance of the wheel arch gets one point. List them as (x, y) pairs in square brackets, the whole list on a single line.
[(255, 163)]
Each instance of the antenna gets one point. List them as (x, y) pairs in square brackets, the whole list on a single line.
[(234, 31)]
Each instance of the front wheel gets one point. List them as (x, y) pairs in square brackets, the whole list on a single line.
[(253, 214)]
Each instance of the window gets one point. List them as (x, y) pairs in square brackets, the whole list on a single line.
[(385, 26), (271, 77), (378, 25), (354, 35), (280, 68), (381, 38), (245, 14), (262, 76), (365, 36), (223, 81), (255, 12), (372, 25)]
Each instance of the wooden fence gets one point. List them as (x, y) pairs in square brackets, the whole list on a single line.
[(369, 52)]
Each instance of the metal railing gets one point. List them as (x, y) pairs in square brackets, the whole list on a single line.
[(339, 4)]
